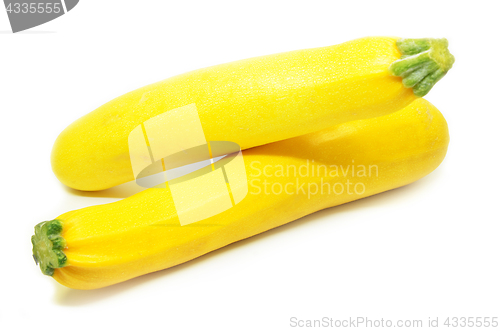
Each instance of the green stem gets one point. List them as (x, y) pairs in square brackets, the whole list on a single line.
[(48, 245), (423, 63)]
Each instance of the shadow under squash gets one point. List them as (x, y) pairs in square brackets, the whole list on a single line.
[(119, 192)]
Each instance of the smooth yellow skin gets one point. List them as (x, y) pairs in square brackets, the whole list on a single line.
[(111, 243), (250, 102)]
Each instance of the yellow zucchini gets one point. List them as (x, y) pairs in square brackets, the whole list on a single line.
[(256, 101), (105, 244)]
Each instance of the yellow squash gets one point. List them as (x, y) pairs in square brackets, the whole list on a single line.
[(105, 244), (256, 101)]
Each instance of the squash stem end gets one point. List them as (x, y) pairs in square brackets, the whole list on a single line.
[(48, 245), (422, 64)]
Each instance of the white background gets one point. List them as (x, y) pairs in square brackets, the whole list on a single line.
[(430, 249)]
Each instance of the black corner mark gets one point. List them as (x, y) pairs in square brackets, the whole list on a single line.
[(70, 4), (25, 14)]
